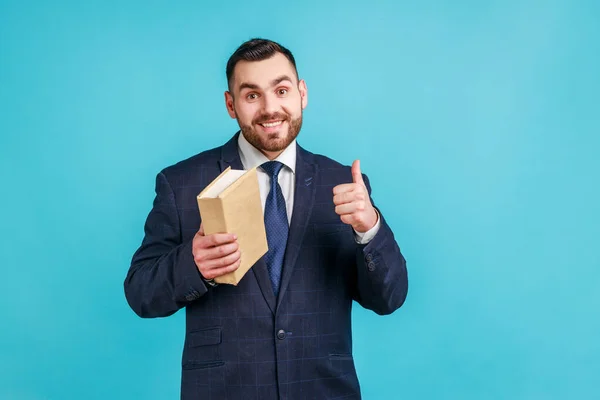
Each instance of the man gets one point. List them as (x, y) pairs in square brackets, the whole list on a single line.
[(284, 331)]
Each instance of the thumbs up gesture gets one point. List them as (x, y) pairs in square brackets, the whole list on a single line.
[(352, 202)]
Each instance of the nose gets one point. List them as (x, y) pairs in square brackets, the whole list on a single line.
[(270, 103)]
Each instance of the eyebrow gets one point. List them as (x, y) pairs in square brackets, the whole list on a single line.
[(282, 78), (274, 82)]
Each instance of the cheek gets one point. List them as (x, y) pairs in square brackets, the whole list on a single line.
[(245, 112), (293, 107)]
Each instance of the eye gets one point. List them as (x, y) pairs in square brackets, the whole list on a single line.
[(252, 96), (282, 92)]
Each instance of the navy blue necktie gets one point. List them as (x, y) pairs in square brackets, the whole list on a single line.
[(276, 225)]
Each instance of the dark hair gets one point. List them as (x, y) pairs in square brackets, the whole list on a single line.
[(256, 50)]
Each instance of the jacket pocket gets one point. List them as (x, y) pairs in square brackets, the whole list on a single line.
[(204, 337), (201, 365)]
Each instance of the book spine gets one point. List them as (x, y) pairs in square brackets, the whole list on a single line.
[(212, 214)]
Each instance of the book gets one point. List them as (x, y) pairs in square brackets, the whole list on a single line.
[(231, 204)]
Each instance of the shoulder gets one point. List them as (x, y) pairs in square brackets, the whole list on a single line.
[(331, 170), (192, 171), (206, 158), (324, 162)]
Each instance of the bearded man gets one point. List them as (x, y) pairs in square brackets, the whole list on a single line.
[(284, 332)]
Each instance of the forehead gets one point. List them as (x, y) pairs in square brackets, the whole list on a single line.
[(262, 73)]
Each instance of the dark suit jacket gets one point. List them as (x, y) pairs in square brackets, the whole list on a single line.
[(241, 342)]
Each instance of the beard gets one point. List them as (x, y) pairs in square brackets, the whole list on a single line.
[(272, 142)]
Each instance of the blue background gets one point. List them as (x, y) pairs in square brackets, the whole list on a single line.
[(477, 122)]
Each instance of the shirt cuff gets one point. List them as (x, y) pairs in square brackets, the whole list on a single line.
[(365, 237)]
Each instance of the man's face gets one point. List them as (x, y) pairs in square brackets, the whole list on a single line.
[(267, 100)]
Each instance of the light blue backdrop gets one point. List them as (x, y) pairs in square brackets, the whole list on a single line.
[(477, 122)]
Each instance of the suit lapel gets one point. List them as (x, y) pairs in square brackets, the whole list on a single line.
[(304, 197), (230, 157)]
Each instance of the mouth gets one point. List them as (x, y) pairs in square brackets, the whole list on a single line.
[(271, 124), (272, 127)]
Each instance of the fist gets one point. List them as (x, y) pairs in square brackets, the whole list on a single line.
[(352, 202), (216, 254)]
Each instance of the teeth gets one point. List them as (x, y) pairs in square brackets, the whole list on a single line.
[(271, 124)]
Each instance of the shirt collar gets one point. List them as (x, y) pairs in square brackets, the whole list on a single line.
[(251, 157)]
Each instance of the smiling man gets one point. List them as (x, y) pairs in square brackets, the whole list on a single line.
[(284, 332)]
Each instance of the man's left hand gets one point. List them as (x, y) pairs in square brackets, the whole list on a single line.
[(352, 202)]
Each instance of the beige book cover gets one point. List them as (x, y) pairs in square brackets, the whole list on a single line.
[(231, 204)]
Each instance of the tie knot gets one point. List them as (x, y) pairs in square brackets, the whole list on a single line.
[(272, 168)]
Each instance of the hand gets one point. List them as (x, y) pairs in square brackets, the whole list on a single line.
[(352, 202), (216, 254)]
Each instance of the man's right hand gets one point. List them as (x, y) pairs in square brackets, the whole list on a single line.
[(216, 254)]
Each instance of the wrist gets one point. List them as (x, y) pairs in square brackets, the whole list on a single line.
[(373, 221), (209, 282)]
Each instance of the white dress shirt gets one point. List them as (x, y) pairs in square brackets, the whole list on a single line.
[(252, 157)]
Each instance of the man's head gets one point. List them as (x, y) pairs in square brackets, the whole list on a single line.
[(265, 95)]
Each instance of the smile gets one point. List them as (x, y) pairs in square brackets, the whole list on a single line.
[(271, 124)]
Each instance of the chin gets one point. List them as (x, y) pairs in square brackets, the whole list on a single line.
[(277, 135), (274, 144)]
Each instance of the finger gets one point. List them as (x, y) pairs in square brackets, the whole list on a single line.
[(344, 187), (343, 198), (347, 208), (347, 218), (217, 239), (221, 251), (349, 197), (201, 230), (221, 262), (356, 174), (216, 272)]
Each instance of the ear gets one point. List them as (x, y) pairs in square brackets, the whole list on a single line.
[(229, 105), (303, 93)]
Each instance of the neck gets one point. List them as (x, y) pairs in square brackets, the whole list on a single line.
[(271, 155)]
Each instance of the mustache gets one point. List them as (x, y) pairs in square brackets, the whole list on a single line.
[(270, 117)]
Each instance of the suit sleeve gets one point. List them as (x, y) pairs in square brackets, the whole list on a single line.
[(382, 280), (163, 276)]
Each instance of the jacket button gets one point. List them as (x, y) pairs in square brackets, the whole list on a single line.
[(281, 334), (371, 266)]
